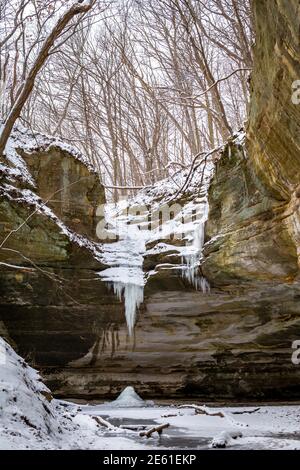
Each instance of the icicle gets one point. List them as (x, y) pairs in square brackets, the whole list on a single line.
[(191, 259), (133, 297), (204, 285)]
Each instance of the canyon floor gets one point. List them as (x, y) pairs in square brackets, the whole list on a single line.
[(30, 418), (270, 428)]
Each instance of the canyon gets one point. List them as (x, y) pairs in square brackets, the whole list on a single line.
[(233, 342)]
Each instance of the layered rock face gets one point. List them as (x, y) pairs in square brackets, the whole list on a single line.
[(52, 303), (253, 224), (234, 343), (70, 188), (274, 121)]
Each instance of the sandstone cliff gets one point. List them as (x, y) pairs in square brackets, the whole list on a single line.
[(52, 302)]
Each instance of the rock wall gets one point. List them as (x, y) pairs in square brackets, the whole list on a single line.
[(274, 120), (52, 303), (71, 189), (253, 229), (250, 234)]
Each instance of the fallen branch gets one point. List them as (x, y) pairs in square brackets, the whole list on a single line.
[(194, 167), (159, 429), (103, 422), (14, 266), (134, 427), (202, 410), (245, 412), (125, 187)]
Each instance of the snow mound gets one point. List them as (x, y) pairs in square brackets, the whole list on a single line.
[(130, 399)]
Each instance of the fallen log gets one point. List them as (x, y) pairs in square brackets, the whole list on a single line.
[(134, 427), (159, 429), (103, 422)]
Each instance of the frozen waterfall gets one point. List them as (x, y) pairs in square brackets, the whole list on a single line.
[(125, 258), (130, 220), (192, 253), (128, 284)]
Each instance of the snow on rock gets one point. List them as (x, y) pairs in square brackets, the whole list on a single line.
[(28, 417), (188, 218), (38, 205), (129, 399), (223, 439), (24, 139), (23, 396)]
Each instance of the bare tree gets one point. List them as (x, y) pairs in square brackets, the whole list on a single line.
[(27, 84), (147, 88)]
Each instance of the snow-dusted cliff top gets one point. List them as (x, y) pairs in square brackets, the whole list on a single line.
[(23, 139)]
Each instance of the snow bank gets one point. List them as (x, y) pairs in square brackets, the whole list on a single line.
[(28, 417), (224, 438), (31, 419)]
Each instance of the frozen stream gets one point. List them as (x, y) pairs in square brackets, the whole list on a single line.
[(271, 427)]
